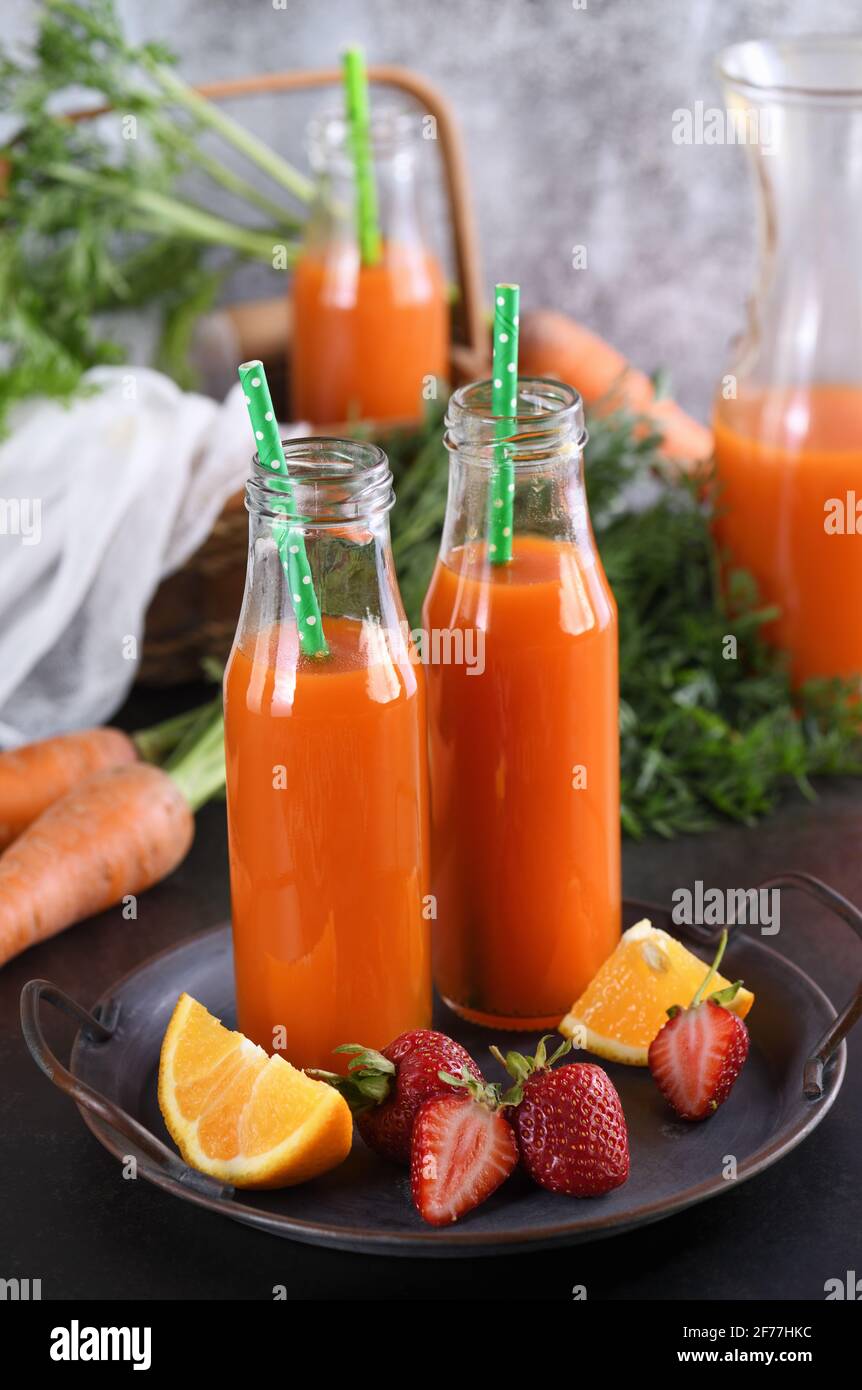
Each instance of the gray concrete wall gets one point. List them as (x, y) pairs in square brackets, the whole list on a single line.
[(567, 114)]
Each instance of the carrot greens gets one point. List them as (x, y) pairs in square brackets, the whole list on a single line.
[(197, 764), (96, 215)]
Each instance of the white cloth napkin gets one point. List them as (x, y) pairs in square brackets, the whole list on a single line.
[(99, 501)]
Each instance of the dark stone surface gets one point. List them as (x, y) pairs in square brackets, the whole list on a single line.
[(69, 1219)]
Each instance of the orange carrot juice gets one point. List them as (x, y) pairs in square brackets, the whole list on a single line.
[(789, 468), (525, 781), (366, 338), (326, 781)]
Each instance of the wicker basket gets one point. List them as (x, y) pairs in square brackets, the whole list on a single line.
[(194, 612)]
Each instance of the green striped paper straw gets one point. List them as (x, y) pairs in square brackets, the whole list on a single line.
[(504, 404), (289, 539), (359, 123)]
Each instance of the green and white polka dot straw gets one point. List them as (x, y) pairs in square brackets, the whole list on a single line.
[(359, 125), (504, 404), (289, 539)]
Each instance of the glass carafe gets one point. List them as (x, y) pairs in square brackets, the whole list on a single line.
[(523, 722), (370, 341), (327, 773), (788, 412)]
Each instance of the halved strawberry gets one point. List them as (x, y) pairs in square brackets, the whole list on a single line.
[(698, 1054), (463, 1149)]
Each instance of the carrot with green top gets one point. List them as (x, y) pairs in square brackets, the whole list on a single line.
[(36, 775), (122, 830)]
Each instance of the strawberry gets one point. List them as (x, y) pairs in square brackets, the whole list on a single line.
[(463, 1149), (385, 1089), (569, 1123), (698, 1054)]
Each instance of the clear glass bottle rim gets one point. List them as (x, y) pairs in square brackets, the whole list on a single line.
[(549, 419), (806, 68), (331, 481)]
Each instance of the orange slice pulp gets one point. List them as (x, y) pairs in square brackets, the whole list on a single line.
[(626, 1003), (240, 1115)]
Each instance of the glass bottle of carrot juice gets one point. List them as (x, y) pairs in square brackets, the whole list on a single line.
[(523, 734), (327, 771), (788, 411), (368, 335)]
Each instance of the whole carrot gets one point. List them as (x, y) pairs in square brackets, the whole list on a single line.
[(552, 344), (119, 832), (33, 777)]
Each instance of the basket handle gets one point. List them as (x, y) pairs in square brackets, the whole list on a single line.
[(475, 349), (100, 1028), (812, 1072)]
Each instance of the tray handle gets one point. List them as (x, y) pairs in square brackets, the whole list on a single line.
[(812, 1072), (100, 1029)]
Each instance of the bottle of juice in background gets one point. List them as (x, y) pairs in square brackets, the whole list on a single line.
[(366, 337), (788, 413), (327, 775), (524, 738)]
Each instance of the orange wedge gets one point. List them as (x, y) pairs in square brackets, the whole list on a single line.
[(240, 1115), (626, 1003)]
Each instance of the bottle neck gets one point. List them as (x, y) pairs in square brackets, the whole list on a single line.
[(394, 148), (329, 484), (334, 500), (544, 445)]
